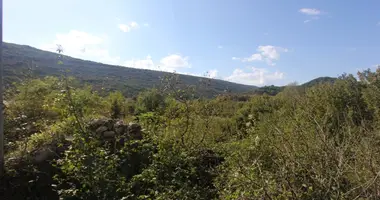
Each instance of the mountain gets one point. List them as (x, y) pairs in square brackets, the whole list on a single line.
[(273, 90), (21, 61), (319, 80)]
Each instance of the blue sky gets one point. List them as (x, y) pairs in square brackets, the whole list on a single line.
[(256, 42)]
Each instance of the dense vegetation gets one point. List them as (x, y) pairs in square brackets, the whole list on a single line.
[(318, 81), (274, 90), (319, 142)]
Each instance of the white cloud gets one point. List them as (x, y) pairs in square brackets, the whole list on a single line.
[(253, 57), (169, 63), (193, 74), (124, 27), (213, 73), (82, 45), (134, 25), (173, 62), (312, 19), (258, 76), (315, 13), (271, 52), (267, 53), (220, 47), (310, 11), (146, 63), (128, 27), (8, 40), (87, 46), (146, 25)]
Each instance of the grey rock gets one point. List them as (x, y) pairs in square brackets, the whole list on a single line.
[(119, 127), (108, 129), (119, 123), (109, 134), (120, 130), (134, 127), (134, 131), (110, 124), (94, 124), (101, 130)]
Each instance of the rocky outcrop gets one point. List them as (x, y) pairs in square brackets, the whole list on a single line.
[(109, 129), (35, 172)]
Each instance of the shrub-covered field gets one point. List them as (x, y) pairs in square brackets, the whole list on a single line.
[(64, 140)]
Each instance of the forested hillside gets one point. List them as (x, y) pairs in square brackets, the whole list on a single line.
[(66, 141), (21, 61)]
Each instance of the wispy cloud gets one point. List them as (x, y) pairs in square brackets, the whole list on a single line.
[(220, 47), (174, 61), (253, 57), (82, 45), (256, 76), (145, 63), (124, 27), (307, 21), (170, 63), (213, 73), (310, 11), (266, 53), (128, 27)]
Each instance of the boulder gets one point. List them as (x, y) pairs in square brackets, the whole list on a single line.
[(108, 128), (134, 131), (110, 123), (109, 134), (95, 124), (101, 130), (119, 127)]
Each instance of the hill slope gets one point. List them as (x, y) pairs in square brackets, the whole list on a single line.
[(273, 90), (319, 80), (19, 58)]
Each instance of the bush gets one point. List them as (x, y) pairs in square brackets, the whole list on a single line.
[(317, 142)]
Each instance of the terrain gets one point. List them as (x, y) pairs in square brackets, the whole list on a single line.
[(22, 61), (64, 140)]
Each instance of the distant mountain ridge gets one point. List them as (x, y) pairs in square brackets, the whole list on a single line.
[(318, 80), (18, 58), (273, 90)]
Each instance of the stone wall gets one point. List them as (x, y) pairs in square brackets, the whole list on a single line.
[(109, 129), (115, 132)]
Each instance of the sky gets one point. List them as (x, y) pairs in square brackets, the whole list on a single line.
[(254, 42)]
